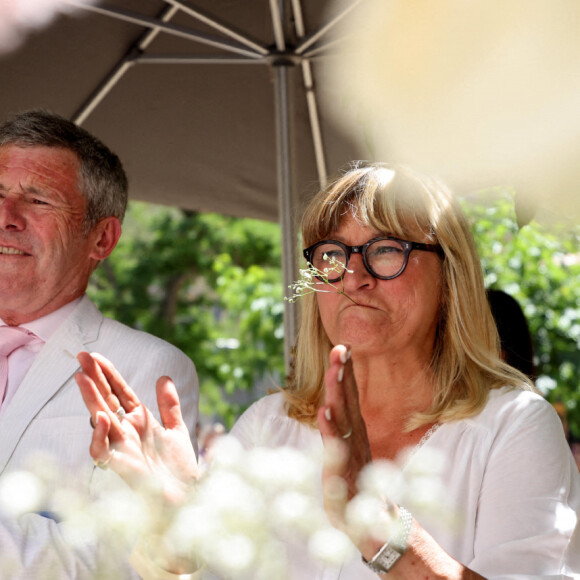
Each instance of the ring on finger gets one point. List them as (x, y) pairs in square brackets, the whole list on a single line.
[(91, 422), (347, 435), (103, 464), (120, 412)]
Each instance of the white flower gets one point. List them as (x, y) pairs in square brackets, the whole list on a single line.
[(18, 16), (20, 492)]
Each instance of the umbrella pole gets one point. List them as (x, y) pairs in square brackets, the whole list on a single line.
[(284, 164)]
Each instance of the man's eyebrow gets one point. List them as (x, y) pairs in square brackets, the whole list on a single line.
[(29, 189)]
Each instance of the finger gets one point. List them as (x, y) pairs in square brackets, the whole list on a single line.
[(96, 404), (169, 405), (337, 415), (340, 357), (99, 448), (125, 394), (349, 387), (91, 367), (91, 395), (334, 486)]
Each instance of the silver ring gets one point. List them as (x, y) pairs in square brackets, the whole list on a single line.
[(120, 412), (103, 464), (347, 435)]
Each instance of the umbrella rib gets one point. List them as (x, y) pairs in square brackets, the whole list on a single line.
[(308, 81), (220, 26), (314, 37), (120, 69), (197, 59), (102, 91), (166, 15), (277, 26), (168, 28)]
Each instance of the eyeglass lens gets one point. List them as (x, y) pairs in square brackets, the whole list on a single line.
[(384, 258)]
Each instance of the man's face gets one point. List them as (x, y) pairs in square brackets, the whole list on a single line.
[(45, 258)]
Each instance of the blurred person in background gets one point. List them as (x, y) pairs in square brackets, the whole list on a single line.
[(514, 333)]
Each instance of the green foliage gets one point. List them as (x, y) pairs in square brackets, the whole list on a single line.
[(209, 284), (540, 268)]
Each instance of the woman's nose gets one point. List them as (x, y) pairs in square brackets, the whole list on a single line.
[(357, 275)]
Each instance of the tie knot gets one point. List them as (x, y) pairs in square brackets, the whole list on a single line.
[(13, 337)]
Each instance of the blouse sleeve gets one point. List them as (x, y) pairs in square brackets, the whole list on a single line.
[(527, 512)]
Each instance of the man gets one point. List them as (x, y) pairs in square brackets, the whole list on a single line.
[(63, 195)]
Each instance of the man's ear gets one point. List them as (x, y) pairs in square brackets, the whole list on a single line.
[(105, 236)]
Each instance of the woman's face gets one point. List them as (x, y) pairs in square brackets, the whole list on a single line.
[(391, 316)]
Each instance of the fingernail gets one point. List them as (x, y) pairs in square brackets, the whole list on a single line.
[(327, 414), (345, 355), (340, 374)]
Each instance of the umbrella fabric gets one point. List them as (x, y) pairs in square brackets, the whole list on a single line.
[(193, 115)]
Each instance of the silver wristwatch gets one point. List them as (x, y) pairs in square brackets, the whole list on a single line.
[(388, 555)]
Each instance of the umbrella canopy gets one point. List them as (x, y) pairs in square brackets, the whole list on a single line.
[(211, 104)]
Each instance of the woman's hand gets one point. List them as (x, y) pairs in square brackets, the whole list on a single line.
[(344, 435), (149, 456)]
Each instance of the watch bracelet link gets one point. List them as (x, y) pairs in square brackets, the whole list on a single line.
[(392, 550)]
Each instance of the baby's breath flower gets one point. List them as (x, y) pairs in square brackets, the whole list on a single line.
[(314, 280), (244, 518)]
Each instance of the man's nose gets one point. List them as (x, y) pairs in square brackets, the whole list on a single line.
[(11, 214)]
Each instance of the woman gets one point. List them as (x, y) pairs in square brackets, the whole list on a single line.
[(422, 371)]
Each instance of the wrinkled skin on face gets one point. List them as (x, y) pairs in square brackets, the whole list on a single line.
[(45, 256), (391, 316)]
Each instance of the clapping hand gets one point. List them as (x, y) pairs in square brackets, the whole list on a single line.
[(344, 434), (149, 456)]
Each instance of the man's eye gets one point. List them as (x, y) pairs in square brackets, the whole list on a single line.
[(39, 202)]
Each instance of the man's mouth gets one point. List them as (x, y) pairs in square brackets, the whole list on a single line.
[(11, 251)]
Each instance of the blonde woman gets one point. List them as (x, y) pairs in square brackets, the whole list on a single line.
[(422, 371)]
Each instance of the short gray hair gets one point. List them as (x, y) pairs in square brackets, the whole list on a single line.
[(102, 179)]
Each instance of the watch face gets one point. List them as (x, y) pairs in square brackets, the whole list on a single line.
[(387, 559)]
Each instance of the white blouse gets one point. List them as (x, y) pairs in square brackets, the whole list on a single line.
[(509, 477)]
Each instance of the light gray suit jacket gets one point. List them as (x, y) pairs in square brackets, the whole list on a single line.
[(47, 418)]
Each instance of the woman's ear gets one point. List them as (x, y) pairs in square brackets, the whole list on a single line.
[(105, 235)]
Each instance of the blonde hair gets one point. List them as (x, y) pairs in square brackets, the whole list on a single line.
[(466, 362)]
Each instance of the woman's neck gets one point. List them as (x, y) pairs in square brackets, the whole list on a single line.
[(390, 392)]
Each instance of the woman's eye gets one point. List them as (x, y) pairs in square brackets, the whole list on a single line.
[(383, 250)]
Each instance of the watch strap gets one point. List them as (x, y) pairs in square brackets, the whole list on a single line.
[(390, 552)]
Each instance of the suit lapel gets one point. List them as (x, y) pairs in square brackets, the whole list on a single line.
[(54, 365)]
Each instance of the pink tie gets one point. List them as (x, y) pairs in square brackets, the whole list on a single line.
[(11, 338)]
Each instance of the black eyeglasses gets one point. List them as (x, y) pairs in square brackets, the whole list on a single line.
[(384, 258)]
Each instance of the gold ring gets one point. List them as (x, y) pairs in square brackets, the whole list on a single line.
[(103, 464)]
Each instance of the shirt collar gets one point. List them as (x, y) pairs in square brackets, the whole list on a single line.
[(45, 326)]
